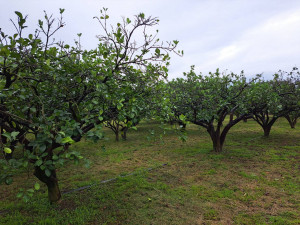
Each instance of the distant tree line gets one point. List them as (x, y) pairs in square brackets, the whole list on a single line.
[(208, 101)]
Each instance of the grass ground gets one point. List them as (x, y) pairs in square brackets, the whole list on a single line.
[(256, 180)]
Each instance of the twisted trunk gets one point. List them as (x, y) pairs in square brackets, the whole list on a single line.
[(267, 127), (217, 135), (216, 139), (265, 122), (292, 121), (54, 193), (217, 144)]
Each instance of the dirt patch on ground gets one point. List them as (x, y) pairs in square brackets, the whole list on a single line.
[(66, 204)]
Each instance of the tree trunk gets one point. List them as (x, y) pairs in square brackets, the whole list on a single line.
[(267, 130), (267, 126), (218, 146), (54, 194), (292, 121), (231, 117), (216, 139), (124, 133), (117, 135)]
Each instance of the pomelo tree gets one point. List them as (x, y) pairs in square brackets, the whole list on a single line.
[(207, 101), (292, 118), (51, 93), (131, 101), (293, 81), (270, 100), (178, 101)]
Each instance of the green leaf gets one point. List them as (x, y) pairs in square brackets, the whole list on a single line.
[(7, 135), (25, 164), (67, 140), (119, 106), (48, 162), (41, 23), (157, 51), (142, 15), (30, 190), (47, 172), (42, 148), (19, 195), (44, 154), (38, 70), (128, 20), (37, 186), (33, 110), (62, 133), (4, 51), (182, 117), (78, 79), (19, 14), (26, 198), (39, 162), (7, 150)]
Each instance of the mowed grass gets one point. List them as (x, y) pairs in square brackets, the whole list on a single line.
[(254, 181)]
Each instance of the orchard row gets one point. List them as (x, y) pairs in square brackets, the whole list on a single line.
[(53, 94)]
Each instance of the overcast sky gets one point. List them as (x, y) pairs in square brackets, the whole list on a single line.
[(257, 36)]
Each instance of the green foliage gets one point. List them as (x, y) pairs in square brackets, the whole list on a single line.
[(131, 101), (207, 100), (26, 195), (54, 94), (269, 100)]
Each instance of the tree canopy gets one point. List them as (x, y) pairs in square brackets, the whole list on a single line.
[(53, 94)]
